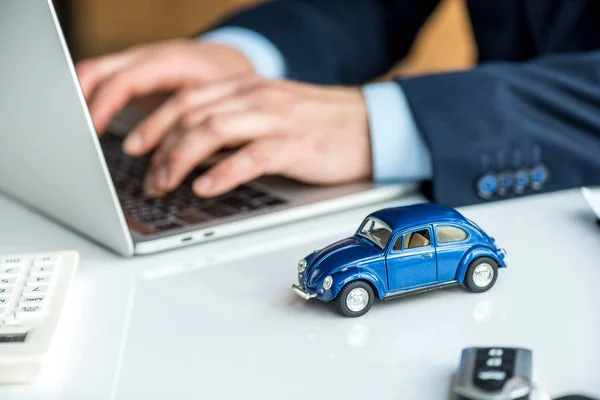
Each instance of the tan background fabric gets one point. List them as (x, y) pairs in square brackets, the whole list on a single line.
[(101, 26)]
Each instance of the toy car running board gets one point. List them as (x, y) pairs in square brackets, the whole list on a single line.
[(402, 293)]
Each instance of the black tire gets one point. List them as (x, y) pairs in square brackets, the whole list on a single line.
[(469, 281), (341, 299)]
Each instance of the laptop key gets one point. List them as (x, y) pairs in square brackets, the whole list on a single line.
[(173, 209), (166, 226), (139, 227), (192, 217), (252, 193), (150, 218), (218, 211), (271, 201), (238, 203)]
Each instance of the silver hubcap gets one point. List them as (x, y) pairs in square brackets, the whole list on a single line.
[(357, 299), (483, 275)]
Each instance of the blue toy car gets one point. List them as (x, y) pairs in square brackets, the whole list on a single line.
[(398, 252)]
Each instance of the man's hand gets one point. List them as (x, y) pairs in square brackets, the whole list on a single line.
[(111, 82), (314, 134)]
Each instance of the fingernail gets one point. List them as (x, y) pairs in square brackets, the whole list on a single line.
[(155, 194), (132, 143), (203, 185), (163, 177), (150, 184)]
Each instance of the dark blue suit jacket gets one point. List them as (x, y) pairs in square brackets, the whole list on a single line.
[(525, 120)]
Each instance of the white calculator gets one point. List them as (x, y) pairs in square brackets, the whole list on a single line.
[(33, 288)]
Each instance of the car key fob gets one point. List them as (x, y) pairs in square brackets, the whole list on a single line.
[(494, 373)]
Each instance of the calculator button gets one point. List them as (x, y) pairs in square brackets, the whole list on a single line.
[(45, 259), (33, 299), (3, 310), (5, 290), (10, 270), (12, 260), (29, 289), (13, 337), (43, 269), (10, 280), (39, 279), (4, 300), (28, 312)]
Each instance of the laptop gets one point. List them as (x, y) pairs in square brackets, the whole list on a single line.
[(52, 160)]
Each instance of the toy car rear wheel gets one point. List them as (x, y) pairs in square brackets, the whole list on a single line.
[(355, 299), (481, 274)]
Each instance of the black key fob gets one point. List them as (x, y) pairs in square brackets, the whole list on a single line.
[(494, 373)]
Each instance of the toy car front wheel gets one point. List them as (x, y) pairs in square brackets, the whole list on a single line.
[(481, 274), (355, 299)]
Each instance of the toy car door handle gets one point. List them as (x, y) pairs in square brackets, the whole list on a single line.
[(428, 255)]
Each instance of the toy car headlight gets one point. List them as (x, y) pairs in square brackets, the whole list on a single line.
[(327, 283), (302, 265)]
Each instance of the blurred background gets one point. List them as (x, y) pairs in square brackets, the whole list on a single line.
[(95, 27)]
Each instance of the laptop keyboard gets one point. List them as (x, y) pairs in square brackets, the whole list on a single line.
[(179, 208)]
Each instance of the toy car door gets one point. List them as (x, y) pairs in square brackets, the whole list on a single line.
[(451, 244), (411, 261)]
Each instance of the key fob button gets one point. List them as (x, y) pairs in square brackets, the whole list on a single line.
[(492, 375)]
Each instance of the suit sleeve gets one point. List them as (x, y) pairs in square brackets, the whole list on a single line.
[(336, 41), (534, 127)]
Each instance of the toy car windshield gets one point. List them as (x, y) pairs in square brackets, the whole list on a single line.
[(375, 231)]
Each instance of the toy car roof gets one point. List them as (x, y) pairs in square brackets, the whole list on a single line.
[(417, 214)]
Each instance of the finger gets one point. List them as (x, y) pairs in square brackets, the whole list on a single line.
[(93, 71), (143, 77), (149, 132), (250, 92), (162, 151), (152, 178), (255, 159), (195, 117), (178, 159), (246, 124)]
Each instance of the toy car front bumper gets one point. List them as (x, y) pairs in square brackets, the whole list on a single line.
[(303, 293)]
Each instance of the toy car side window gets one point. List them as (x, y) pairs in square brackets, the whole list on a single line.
[(398, 244), (416, 239), (449, 234)]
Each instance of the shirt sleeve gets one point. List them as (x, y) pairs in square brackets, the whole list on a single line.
[(399, 151), (264, 56)]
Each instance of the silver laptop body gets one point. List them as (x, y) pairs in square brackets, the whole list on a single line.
[(52, 160)]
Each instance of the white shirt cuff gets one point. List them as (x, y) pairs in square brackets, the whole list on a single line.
[(398, 150), (264, 56)]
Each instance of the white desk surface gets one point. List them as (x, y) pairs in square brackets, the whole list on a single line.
[(219, 321)]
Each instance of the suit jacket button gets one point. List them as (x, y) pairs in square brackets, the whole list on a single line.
[(521, 180), (539, 176), (506, 182), (487, 186)]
